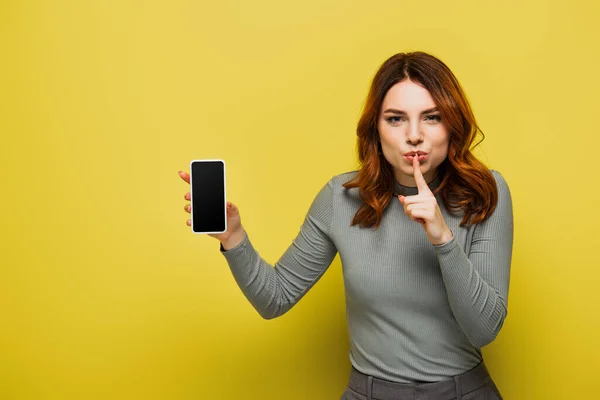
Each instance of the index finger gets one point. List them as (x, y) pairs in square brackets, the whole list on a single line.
[(184, 176), (418, 175)]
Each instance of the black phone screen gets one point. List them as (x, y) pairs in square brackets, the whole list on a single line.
[(208, 196)]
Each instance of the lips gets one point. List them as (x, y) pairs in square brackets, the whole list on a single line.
[(421, 155)]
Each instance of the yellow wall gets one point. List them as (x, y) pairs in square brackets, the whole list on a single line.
[(106, 294)]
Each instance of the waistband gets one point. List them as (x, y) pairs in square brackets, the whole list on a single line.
[(385, 390)]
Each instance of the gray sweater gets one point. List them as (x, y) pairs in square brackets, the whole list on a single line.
[(416, 312)]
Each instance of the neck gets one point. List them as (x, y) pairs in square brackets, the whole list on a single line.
[(405, 190)]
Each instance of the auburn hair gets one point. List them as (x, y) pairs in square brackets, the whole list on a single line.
[(466, 183)]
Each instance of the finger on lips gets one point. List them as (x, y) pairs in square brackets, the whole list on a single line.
[(418, 175)]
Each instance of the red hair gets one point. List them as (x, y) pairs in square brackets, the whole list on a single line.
[(467, 185)]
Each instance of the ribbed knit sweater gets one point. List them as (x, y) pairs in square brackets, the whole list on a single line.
[(416, 312)]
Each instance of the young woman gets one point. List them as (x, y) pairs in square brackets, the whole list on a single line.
[(424, 231)]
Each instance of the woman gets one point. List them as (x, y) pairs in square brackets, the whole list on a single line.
[(424, 231)]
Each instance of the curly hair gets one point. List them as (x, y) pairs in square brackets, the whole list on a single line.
[(466, 183)]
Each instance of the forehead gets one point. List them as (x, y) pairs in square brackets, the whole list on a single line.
[(408, 96)]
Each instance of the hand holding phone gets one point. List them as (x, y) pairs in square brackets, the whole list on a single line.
[(213, 215)]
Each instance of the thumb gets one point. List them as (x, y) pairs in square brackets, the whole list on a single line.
[(401, 198)]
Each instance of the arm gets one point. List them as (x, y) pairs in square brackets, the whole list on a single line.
[(273, 290), (477, 284)]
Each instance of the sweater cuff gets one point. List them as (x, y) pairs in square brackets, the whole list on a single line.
[(446, 247), (237, 249)]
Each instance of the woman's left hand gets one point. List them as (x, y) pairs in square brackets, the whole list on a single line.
[(423, 208)]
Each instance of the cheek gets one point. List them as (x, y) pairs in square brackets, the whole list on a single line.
[(387, 140), (442, 141), (440, 145), (443, 147)]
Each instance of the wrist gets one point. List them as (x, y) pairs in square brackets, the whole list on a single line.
[(234, 239), (445, 238)]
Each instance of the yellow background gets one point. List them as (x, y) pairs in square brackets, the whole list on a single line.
[(106, 294)]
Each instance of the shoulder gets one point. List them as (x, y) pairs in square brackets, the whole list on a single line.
[(504, 195), (335, 191), (336, 184), (500, 181), (340, 179), (332, 195)]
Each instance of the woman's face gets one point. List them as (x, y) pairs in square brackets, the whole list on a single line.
[(409, 125)]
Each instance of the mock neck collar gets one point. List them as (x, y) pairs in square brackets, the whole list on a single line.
[(412, 190)]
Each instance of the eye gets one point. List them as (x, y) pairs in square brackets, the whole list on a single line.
[(393, 120), (434, 117)]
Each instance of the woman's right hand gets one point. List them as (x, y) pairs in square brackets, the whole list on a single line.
[(234, 234)]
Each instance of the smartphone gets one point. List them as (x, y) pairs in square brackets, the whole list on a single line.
[(207, 189)]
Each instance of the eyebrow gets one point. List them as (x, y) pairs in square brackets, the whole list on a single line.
[(400, 112)]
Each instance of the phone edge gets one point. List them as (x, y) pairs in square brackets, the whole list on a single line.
[(224, 195)]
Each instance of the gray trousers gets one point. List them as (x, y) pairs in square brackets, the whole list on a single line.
[(476, 384)]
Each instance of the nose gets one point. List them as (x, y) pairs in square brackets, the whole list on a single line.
[(413, 135)]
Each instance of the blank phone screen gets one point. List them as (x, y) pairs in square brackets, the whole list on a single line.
[(208, 196)]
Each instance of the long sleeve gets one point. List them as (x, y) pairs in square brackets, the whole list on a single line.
[(273, 290), (477, 284)]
